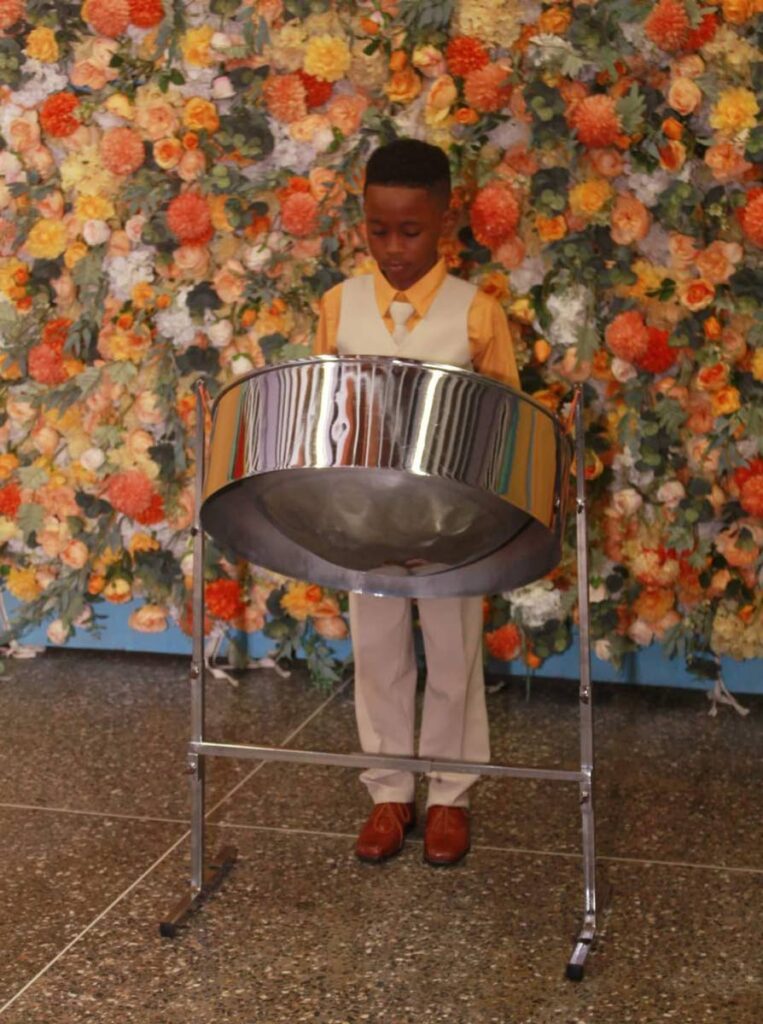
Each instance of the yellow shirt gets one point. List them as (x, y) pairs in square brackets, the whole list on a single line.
[(490, 340)]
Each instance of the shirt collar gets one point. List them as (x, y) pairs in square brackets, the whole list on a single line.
[(420, 294)]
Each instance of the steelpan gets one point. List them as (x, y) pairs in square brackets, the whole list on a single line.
[(386, 476)]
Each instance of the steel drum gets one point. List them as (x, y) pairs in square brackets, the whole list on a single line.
[(386, 476)]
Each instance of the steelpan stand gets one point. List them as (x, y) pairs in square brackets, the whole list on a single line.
[(204, 881)]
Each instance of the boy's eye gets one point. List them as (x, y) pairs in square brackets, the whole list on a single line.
[(412, 233)]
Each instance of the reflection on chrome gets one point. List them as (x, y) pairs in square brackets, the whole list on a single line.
[(386, 476)]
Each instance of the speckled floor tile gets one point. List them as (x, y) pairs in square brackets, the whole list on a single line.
[(107, 732), (58, 873), (672, 783), (303, 932)]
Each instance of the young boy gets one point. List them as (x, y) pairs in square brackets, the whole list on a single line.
[(410, 307)]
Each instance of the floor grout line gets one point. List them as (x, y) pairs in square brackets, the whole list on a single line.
[(75, 811), (133, 885)]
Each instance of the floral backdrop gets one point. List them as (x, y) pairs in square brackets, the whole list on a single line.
[(180, 182)]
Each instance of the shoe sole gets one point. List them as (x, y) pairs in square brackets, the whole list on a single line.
[(445, 863)]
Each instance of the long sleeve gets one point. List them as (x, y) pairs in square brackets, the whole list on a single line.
[(324, 343), (491, 341)]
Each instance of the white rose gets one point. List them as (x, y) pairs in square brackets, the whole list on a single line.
[(92, 459), (220, 333), (241, 364), (671, 493), (96, 232), (627, 501), (186, 564), (623, 370), (222, 89), (641, 633), (58, 633), (596, 594), (257, 258), (603, 650), (134, 227)]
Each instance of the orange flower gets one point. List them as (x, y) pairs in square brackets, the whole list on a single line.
[(487, 89), (403, 86), (345, 111), (494, 215), (712, 378), (465, 54), (630, 220), (122, 151), (717, 263), (555, 20), (299, 214), (285, 98), (726, 401), (696, 295), (167, 152), (627, 336), (46, 365), (653, 604), (751, 216), (57, 115), (146, 13), (108, 17), (672, 155), (465, 115), (130, 492), (749, 480), (595, 120), (726, 162), (551, 229), (189, 219), (668, 25), (200, 115), (504, 643), (10, 499), (11, 11)]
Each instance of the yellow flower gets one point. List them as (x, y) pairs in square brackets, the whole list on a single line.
[(587, 198), (725, 401), (195, 44), (493, 21), (736, 12), (93, 207), (118, 590), (649, 279), (74, 254), (143, 542), (83, 172), (8, 530), (327, 57), (757, 364), (41, 45), (46, 239), (217, 209), (735, 110), (8, 273), (120, 105), (200, 115), (8, 463), (22, 583)]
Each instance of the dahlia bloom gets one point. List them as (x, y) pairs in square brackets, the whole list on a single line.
[(668, 25), (627, 336), (751, 216), (595, 120), (46, 365), (109, 18), (189, 219), (131, 493), (749, 480), (57, 115), (658, 355), (122, 151), (465, 54), (327, 57), (494, 215), (317, 91), (11, 11), (487, 89), (285, 98), (504, 643), (146, 13), (299, 214)]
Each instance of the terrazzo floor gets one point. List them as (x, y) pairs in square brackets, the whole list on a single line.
[(94, 849)]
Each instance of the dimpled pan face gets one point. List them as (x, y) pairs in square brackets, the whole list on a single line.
[(386, 476)]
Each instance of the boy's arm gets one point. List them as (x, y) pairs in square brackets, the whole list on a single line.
[(324, 343), (491, 341)]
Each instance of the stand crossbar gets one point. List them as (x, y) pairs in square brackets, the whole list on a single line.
[(205, 881)]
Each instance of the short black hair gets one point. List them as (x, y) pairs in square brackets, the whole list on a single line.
[(412, 164)]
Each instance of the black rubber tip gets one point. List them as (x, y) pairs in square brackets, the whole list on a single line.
[(167, 929), (575, 972)]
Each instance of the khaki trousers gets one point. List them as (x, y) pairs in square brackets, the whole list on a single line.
[(454, 720)]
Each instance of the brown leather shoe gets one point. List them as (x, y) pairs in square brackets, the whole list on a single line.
[(446, 837), (383, 834)]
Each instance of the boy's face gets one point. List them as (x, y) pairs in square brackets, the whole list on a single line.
[(404, 226)]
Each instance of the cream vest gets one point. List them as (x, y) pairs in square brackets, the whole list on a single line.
[(442, 336)]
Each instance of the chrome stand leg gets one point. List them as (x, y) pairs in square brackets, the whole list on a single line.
[(587, 933), (202, 882)]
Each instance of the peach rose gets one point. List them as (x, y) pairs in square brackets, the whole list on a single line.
[(684, 96), (24, 132), (606, 162), (653, 604), (167, 152), (331, 627), (191, 261), (230, 281), (718, 261), (75, 554), (192, 164), (157, 119), (345, 112), (630, 220), (726, 162), (440, 99), (682, 249), (403, 86), (149, 618)]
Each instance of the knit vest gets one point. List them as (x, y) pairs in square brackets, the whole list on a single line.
[(441, 336)]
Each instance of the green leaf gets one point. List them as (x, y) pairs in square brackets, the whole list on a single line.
[(30, 518), (32, 476), (631, 109)]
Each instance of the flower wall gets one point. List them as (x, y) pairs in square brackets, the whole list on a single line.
[(180, 182)]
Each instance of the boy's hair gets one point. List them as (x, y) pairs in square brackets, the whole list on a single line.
[(412, 164)]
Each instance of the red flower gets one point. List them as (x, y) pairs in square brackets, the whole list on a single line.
[(668, 25), (122, 151), (10, 499), (55, 333), (46, 365), (504, 643), (299, 214), (465, 54), (153, 513), (317, 90), (223, 599), (659, 356), (57, 115), (494, 215), (749, 480), (131, 492), (146, 13), (751, 216), (627, 336), (189, 218), (703, 33)]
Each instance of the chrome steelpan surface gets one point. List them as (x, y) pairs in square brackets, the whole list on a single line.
[(386, 476)]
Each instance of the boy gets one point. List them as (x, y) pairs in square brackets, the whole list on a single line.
[(410, 307)]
